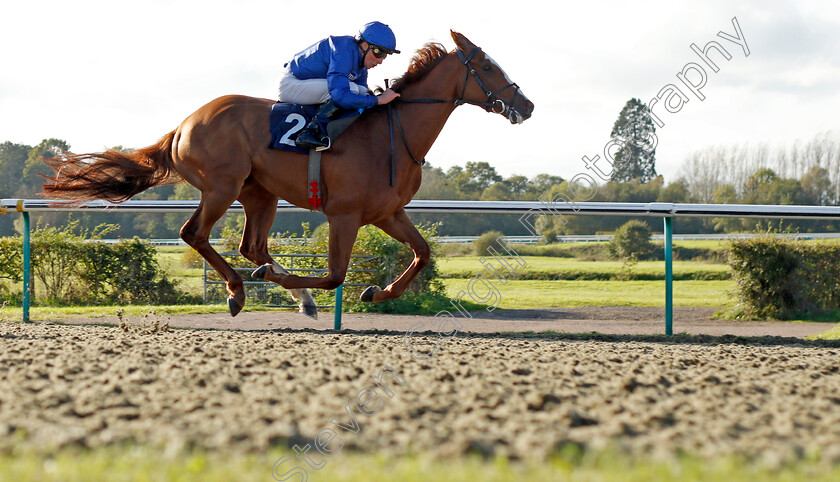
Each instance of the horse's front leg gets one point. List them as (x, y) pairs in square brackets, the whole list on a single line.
[(400, 227), (343, 231)]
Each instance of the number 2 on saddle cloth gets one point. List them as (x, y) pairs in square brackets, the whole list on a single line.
[(287, 120)]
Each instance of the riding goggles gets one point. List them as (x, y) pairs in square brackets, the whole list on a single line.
[(379, 52)]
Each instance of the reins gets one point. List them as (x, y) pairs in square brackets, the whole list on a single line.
[(488, 106), (392, 114)]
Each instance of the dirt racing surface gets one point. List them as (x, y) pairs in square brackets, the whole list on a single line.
[(620, 320), (774, 399)]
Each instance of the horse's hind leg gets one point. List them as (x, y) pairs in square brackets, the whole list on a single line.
[(260, 209), (196, 233)]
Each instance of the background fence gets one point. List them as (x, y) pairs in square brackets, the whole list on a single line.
[(529, 211), (571, 238)]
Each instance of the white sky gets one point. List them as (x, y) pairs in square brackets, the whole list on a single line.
[(105, 73)]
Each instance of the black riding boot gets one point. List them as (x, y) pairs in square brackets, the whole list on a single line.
[(312, 136)]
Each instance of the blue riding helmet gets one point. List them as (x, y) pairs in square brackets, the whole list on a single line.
[(380, 35)]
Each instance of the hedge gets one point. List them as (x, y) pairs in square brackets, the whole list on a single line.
[(73, 269), (785, 279)]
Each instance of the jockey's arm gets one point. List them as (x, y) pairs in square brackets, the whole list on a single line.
[(338, 83)]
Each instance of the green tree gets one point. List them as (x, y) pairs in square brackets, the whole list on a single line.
[(436, 185), (518, 186), (817, 187), (757, 187), (766, 187), (12, 162), (541, 183), (35, 165), (499, 191), (185, 191), (786, 191), (676, 192), (473, 179), (482, 173), (725, 194), (634, 133)]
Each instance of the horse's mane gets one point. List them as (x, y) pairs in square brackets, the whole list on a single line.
[(424, 60)]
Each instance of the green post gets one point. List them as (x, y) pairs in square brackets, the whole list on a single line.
[(339, 292), (26, 266), (669, 278)]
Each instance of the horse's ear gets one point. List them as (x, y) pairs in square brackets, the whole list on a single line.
[(461, 41)]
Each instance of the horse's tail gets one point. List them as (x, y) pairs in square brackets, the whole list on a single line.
[(111, 175)]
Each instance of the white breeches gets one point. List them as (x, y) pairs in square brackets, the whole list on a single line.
[(311, 91)]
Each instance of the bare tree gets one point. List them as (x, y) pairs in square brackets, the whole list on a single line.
[(706, 170)]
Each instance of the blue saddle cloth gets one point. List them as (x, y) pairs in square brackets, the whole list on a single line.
[(287, 120)]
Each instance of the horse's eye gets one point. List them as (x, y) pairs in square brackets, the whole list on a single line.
[(487, 68)]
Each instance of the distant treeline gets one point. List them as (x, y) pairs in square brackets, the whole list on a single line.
[(802, 173)]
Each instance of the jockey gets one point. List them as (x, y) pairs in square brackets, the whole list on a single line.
[(333, 73)]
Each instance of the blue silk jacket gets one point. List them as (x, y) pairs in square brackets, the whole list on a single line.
[(339, 60)]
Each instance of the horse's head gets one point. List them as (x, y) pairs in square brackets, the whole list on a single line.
[(486, 84)]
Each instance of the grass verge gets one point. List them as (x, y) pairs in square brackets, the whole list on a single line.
[(530, 294), (831, 334), (547, 268), (137, 463)]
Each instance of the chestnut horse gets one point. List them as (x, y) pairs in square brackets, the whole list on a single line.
[(222, 149)]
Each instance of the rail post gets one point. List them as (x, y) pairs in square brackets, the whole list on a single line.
[(338, 302), (669, 278), (27, 262)]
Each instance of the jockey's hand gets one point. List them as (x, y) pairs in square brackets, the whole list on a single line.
[(387, 96)]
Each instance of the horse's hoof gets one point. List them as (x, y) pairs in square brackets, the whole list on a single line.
[(367, 295), (261, 272), (309, 310), (234, 306)]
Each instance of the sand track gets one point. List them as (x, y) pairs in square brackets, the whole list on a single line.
[(774, 399)]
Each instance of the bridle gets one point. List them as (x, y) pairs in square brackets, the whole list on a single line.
[(491, 105), (491, 96)]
